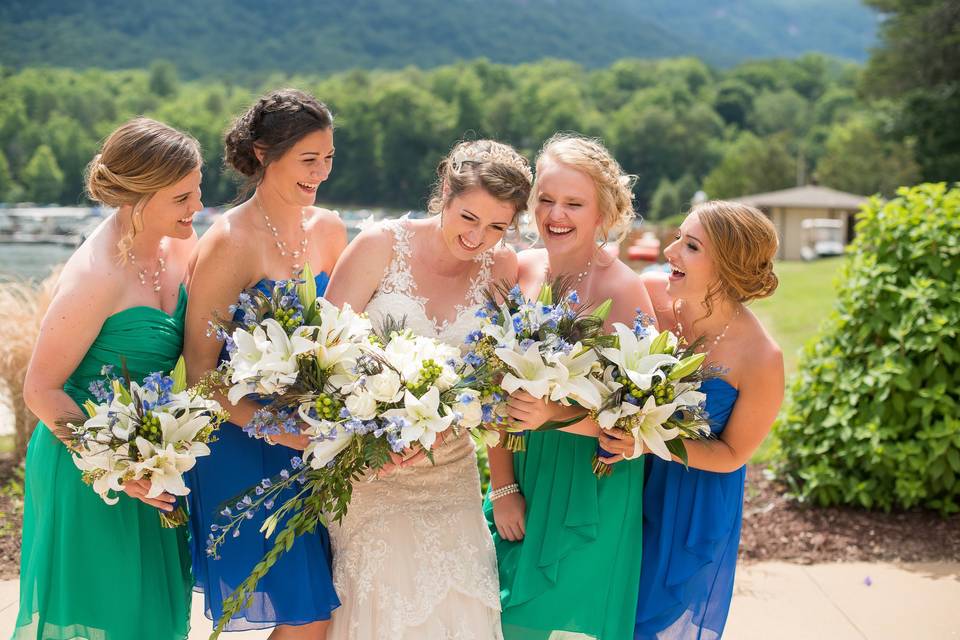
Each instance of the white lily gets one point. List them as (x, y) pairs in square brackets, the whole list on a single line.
[(424, 421), (164, 467), (530, 372), (327, 439), (265, 358), (647, 425), (573, 379), (634, 358)]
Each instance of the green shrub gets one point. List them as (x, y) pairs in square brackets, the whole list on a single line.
[(873, 415)]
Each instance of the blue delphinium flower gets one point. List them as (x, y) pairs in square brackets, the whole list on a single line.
[(486, 413), (473, 359), (102, 391)]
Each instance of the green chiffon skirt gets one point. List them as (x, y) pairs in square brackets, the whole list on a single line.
[(576, 573), (89, 569)]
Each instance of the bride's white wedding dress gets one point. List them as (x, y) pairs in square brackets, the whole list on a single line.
[(413, 558)]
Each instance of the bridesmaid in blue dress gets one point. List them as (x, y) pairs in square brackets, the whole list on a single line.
[(722, 258), (283, 145)]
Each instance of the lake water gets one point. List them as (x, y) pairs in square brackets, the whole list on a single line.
[(33, 261)]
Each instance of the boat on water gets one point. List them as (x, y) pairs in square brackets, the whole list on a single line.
[(47, 225), (69, 226)]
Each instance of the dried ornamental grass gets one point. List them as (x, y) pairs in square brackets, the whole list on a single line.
[(22, 306)]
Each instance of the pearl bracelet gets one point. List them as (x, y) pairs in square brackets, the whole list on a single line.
[(496, 494)]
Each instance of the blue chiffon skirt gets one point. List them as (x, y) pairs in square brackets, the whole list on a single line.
[(298, 589), (691, 535)]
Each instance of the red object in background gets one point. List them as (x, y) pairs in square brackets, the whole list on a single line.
[(645, 248)]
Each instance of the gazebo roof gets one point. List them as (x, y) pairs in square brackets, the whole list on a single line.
[(808, 197)]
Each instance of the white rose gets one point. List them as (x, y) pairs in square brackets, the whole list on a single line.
[(448, 377), (468, 406), (384, 386), (362, 405)]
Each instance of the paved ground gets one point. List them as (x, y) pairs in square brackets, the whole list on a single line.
[(775, 600)]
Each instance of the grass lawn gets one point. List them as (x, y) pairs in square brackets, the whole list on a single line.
[(803, 300)]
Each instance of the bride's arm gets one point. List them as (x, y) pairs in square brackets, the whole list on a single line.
[(360, 269)]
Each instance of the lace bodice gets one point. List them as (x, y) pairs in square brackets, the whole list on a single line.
[(398, 294)]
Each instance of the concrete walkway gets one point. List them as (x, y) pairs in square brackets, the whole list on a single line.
[(775, 600)]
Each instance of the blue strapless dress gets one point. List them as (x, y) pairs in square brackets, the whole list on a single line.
[(299, 588), (691, 534)]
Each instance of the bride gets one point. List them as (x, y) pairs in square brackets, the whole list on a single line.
[(413, 558)]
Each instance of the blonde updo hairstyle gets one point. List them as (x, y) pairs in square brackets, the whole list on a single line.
[(614, 186), (744, 243), (495, 167), (140, 158)]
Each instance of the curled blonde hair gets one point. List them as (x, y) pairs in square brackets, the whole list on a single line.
[(138, 159), (495, 167), (614, 186), (744, 243)]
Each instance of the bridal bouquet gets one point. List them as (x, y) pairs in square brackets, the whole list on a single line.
[(152, 431), (650, 388), (295, 350), (382, 393), (404, 392), (541, 346)]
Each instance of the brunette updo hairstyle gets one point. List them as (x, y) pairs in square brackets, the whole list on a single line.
[(138, 159), (614, 186), (744, 243), (495, 167), (274, 123)]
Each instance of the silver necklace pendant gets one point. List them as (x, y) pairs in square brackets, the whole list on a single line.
[(281, 244)]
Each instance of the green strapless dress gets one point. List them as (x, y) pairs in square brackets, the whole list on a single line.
[(88, 569), (576, 573)]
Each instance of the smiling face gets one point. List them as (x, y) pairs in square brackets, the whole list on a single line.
[(169, 211), (473, 222), (566, 208), (691, 262), (296, 174)]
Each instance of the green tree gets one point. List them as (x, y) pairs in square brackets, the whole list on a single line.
[(657, 143), (6, 180), (687, 187), (858, 160), (42, 177), (776, 111), (163, 79), (734, 102), (751, 165), (665, 201), (414, 134), (918, 64)]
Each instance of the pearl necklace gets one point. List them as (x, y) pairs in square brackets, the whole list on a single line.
[(142, 271), (720, 335), (580, 276), (282, 245)]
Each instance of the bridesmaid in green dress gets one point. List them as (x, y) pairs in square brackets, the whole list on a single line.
[(87, 569), (569, 544)]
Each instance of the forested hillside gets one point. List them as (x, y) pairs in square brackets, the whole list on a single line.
[(238, 38)]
